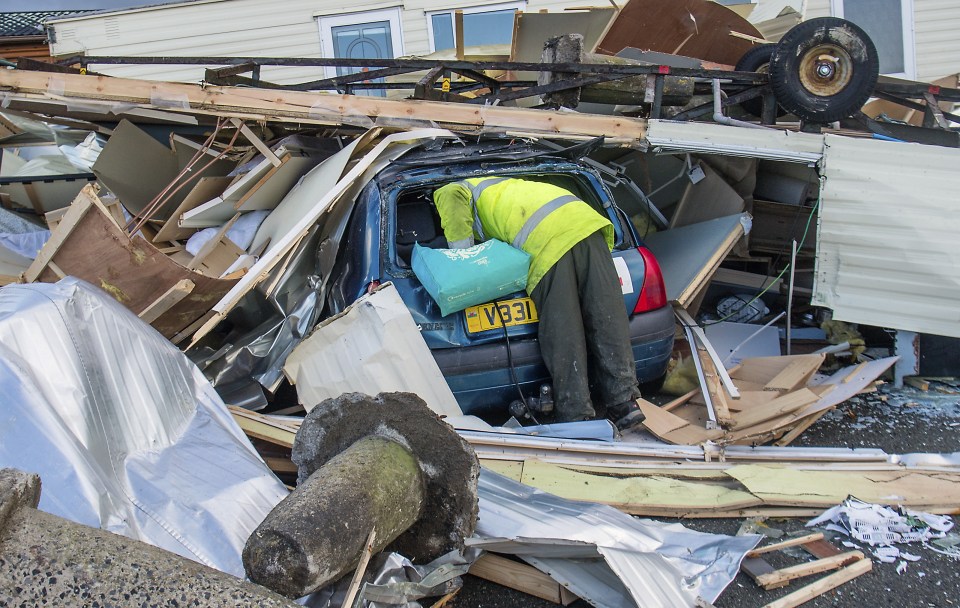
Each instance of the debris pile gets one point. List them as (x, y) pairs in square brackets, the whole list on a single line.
[(210, 291)]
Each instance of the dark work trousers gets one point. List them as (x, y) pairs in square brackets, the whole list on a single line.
[(584, 333)]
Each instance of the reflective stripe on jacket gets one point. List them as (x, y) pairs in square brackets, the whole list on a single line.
[(544, 220)]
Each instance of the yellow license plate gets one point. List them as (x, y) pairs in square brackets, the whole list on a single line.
[(519, 311)]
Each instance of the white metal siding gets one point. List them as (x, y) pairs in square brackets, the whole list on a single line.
[(817, 8), (937, 24), (225, 28), (887, 251)]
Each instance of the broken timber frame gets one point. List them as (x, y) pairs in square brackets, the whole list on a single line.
[(305, 107)]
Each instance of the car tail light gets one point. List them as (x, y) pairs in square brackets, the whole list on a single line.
[(654, 293)]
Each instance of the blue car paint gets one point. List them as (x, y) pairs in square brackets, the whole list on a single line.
[(374, 258)]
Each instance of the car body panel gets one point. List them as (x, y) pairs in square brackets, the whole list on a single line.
[(476, 364)]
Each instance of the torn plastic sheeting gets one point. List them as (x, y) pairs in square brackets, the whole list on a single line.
[(659, 564), (126, 433), (882, 525), (373, 346)]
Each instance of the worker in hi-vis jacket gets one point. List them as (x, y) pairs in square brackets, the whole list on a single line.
[(572, 281)]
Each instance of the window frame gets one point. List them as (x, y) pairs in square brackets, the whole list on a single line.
[(326, 23), (909, 44), (483, 8)]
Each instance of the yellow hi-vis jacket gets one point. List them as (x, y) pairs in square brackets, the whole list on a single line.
[(544, 220)]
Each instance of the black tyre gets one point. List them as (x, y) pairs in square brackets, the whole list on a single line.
[(757, 59), (824, 69)]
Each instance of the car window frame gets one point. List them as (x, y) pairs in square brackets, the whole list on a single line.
[(624, 236)]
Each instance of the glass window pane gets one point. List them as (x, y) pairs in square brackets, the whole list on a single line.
[(442, 31), (492, 27), (883, 22)]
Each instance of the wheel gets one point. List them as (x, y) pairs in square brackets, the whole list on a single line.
[(824, 69), (757, 59)]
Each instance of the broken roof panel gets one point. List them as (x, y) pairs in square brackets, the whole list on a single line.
[(710, 138)]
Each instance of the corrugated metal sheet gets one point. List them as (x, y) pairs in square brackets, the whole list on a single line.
[(658, 565), (712, 138), (887, 252)]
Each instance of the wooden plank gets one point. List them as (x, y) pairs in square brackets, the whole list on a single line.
[(680, 400), (280, 465), (782, 577), (674, 429), (755, 567), (518, 576), (261, 427), (821, 549), (779, 407), (800, 428), (310, 108), (791, 542), (794, 375), (918, 383), (89, 245), (762, 370), (805, 594), (217, 254), (179, 291), (256, 141), (718, 396)]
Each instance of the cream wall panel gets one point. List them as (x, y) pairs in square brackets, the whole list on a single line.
[(886, 252)]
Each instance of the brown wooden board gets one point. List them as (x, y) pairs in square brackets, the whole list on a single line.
[(694, 28), (89, 245)]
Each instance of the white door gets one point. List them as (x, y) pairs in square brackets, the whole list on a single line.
[(367, 35)]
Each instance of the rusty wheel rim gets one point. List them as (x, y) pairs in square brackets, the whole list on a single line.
[(825, 70)]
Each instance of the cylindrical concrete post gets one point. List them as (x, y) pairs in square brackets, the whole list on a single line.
[(321, 530), (46, 560), (384, 463)]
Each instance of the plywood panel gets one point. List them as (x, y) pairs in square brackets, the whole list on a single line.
[(695, 28), (89, 245)]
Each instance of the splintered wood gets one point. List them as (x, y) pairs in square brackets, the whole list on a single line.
[(849, 565), (778, 400)]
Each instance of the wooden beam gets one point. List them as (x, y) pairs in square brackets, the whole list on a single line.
[(793, 542), (782, 577), (313, 108), (256, 141), (179, 291), (520, 577), (261, 427), (805, 594)]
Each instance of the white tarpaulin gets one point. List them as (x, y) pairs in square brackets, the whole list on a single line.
[(125, 432), (373, 346)]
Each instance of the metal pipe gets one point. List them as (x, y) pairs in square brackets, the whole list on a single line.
[(718, 115)]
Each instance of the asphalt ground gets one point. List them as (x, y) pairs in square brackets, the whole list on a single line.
[(897, 421)]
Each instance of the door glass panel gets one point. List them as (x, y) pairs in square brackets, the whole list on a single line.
[(362, 41), (882, 20)]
